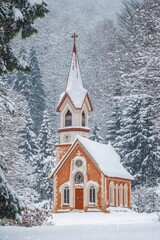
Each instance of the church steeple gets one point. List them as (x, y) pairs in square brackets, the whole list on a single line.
[(74, 87), (74, 77), (74, 104)]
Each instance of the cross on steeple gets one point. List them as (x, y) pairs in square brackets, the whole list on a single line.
[(74, 36)]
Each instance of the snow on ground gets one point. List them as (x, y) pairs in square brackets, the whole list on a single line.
[(90, 226)]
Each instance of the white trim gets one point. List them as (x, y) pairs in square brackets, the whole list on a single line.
[(84, 109), (90, 184), (67, 107), (92, 191), (61, 190), (121, 194), (111, 193), (117, 189), (125, 195), (67, 197)]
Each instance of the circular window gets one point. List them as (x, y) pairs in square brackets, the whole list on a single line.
[(78, 163), (79, 178)]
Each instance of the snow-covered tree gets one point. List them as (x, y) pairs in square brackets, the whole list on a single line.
[(145, 199), (31, 86), (140, 27), (10, 203), (15, 17), (19, 171), (21, 82), (137, 141), (95, 134), (44, 161), (28, 146), (114, 124), (38, 102)]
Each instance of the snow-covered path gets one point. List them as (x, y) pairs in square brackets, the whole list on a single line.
[(89, 226)]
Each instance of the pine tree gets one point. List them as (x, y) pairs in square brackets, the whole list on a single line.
[(31, 86), (145, 199), (15, 17), (13, 119), (95, 134), (140, 27), (114, 124), (21, 83), (28, 146), (37, 104), (44, 161), (10, 203), (137, 142)]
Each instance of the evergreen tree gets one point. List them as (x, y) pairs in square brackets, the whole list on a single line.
[(44, 138), (137, 142), (28, 146), (19, 171), (114, 124), (21, 83), (15, 17), (31, 86), (145, 199), (10, 204), (37, 104), (95, 134), (140, 27), (44, 161)]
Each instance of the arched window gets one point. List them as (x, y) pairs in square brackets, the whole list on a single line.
[(66, 196), (92, 195), (111, 193), (116, 194), (125, 195), (83, 119), (79, 178), (121, 195), (68, 119)]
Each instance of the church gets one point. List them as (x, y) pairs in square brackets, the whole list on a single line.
[(88, 175)]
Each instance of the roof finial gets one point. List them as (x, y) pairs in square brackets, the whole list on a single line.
[(74, 36)]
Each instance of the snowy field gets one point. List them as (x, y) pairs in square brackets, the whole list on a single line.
[(89, 226)]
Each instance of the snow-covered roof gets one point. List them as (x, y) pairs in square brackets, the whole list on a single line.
[(106, 158), (74, 87)]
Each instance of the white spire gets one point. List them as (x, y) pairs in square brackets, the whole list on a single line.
[(74, 77), (74, 88)]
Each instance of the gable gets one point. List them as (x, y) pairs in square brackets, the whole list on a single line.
[(71, 154), (74, 101)]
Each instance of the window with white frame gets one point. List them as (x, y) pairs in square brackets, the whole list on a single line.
[(121, 194), (66, 196), (111, 193), (92, 195), (68, 119), (126, 195)]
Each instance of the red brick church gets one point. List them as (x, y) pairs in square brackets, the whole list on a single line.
[(88, 175)]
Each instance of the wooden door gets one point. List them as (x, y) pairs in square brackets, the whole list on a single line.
[(79, 198)]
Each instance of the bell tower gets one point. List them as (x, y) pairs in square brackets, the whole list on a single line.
[(73, 106)]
